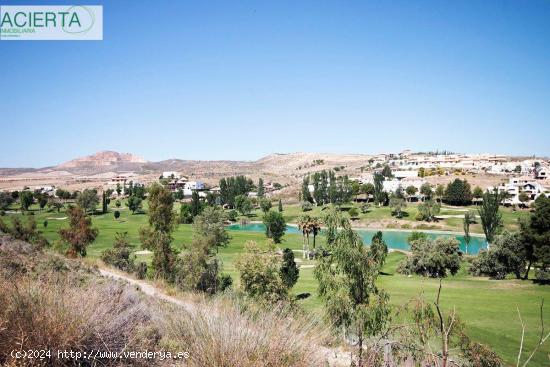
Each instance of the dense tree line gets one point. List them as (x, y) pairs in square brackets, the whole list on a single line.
[(458, 192), (231, 187), (327, 188)]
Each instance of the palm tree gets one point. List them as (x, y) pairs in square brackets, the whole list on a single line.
[(469, 218), (304, 226), (315, 228)]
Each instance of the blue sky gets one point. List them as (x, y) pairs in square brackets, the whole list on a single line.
[(238, 80)]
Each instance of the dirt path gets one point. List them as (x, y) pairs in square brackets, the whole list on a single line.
[(334, 357), (148, 289)]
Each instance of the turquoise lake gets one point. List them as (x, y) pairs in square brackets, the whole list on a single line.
[(394, 239)]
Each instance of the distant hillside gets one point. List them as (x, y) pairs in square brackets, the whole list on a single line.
[(101, 159), (104, 161)]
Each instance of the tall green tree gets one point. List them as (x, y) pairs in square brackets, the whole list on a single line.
[(261, 188), (196, 205), (426, 191), (5, 200), (378, 188), (231, 187), (536, 239), (378, 250), (458, 192), (347, 284), (210, 225), (265, 205), (397, 204), (134, 204), (386, 172), (158, 236), (305, 193), (80, 232), (88, 200), (243, 204), (104, 202), (161, 209), (26, 199), (428, 210), (275, 225), (280, 206), (289, 270), (491, 218)]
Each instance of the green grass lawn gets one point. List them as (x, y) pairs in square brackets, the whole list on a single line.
[(509, 216), (487, 307)]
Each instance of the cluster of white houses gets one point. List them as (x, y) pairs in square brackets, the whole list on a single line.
[(490, 163), (521, 190), (176, 182)]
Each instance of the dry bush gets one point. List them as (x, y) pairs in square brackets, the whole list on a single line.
[(221, 332), (50, 312), (48, 302)]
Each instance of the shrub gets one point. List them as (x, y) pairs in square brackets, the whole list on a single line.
[(260, 274), (365, 208), (228, 332), (120, 255), (428, 210), (289, 272), (306, 206), (24, 230), (57, 313), (232, 215), (141, 270), (353, 213), (119, 258), (275, 225), (116, 214), (185, 216), (45, 224), (196, 269), (433, 258), (225, 282), (504, 257)]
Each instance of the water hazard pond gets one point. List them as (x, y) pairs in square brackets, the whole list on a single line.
[(396, 240)]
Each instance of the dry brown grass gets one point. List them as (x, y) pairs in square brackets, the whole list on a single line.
[(48, 302), (53, 313), (223, 332)]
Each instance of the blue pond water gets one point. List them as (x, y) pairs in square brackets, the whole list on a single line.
[(394, 239)]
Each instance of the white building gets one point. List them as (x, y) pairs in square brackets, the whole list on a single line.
[(517, 185), (191, 186), (404, 174), (171, 174)]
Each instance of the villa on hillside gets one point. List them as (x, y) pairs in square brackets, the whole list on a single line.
[(518, 185), (541, 173), (119, 179), (171, 175), (403, 179)]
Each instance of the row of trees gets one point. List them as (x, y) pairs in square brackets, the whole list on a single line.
[(231, 187), (327, 188)]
